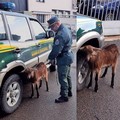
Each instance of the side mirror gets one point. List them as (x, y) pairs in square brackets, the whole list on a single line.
[(50, 34)]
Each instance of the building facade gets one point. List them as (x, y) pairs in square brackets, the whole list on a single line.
[(43, 9)]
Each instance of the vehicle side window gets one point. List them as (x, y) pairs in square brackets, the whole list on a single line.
[(38, 30), (19, 28), (3, 35)]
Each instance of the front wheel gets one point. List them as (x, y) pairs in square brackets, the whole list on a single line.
[(11, 94)]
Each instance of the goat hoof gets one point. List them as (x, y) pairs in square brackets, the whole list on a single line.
[(96, 90), (102, 76), (37, 96), (111, 86), (31, 96), (88, 86)]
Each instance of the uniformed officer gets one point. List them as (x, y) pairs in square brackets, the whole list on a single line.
[(61, 50)]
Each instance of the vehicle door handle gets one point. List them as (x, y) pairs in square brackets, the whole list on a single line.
[(17, 50)]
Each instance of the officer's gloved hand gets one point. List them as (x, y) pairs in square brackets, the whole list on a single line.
[(52, 62), (52, 66)]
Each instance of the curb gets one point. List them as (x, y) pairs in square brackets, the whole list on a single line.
[(112, 38)]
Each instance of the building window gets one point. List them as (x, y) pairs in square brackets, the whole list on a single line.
[(60, 12), (41, 18), (67, 13), (54, 11), (40, 0)]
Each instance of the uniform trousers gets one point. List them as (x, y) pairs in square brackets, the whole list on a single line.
[(64, 79)]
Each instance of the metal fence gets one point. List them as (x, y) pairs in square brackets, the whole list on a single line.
[(102, 9)]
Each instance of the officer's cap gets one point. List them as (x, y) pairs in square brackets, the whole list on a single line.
[(52, 20)]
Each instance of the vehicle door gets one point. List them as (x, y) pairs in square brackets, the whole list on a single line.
[(6, 55), (22, 39), (44, 44)]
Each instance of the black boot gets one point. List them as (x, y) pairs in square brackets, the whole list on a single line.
[(61, 99), (70, 93)]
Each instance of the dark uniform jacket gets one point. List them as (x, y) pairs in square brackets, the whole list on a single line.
[(62, 47)]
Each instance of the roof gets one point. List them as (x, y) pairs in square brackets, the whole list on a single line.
[(15, 13)]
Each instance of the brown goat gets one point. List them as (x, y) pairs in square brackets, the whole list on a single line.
[(100, 58), (35, 75)]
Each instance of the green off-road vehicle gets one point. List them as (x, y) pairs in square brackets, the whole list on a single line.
[(23, 43)]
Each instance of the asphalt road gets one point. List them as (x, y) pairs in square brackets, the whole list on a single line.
[(44, 107), (105, 104)]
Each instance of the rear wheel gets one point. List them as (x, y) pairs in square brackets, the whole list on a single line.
[(11, 94)]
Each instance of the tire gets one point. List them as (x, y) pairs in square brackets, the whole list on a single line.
[(82, 73), (11, 94)]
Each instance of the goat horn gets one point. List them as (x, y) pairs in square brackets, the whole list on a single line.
[(23, 71)]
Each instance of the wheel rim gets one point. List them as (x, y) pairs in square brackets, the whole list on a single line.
[(80, 78), (82, 73), (13, 93)]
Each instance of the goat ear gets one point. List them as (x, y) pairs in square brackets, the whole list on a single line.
[(23, 71), (30, 73), (82, 48), (94, 53)]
